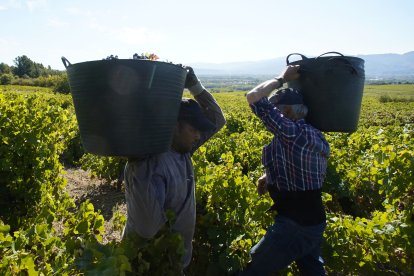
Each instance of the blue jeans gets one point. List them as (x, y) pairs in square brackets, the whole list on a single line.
[(284, 242)]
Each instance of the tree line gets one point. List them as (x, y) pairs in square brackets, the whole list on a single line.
[(27, 72), (25, 67)]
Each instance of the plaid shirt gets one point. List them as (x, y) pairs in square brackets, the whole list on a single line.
[(296, 159)]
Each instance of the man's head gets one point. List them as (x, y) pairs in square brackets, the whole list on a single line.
[(190, 124), (290, 102)]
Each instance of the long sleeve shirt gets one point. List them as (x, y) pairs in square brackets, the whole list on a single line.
[(166, 182), (295, 162)]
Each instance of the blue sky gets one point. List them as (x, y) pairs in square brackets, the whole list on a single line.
[(191, 31)]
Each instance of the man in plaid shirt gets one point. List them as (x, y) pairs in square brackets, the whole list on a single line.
[(295, 166)]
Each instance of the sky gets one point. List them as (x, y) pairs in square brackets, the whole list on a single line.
[(192, 31)]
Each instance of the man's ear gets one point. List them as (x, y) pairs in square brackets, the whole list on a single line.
[(288, 111), (285, 109)]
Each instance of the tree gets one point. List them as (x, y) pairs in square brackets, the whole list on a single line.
[(6, 79), (4, 68), (37, 70), (24, 66), (62, 84)]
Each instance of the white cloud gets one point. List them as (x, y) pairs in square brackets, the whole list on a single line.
[(96, 26), (57, 23), (36, 4), (31, 5), (136, 36), (11, 4), (7, 43), (78, 12), (97, 21), (88, 19), (128, 35), (10, 49)]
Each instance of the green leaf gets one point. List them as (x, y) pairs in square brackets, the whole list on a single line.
[(28, 264), (82, 227), (5, 228)]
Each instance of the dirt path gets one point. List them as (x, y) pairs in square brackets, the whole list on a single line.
[(103, 195)]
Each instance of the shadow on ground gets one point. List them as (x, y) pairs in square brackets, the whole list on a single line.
[(104, 197)]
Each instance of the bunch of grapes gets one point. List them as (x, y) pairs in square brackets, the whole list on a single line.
[(145, 56), (111, 57)]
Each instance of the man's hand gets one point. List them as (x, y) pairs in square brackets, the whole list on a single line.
[(192, 83), (191, 78), (290, 73), (262, 185)]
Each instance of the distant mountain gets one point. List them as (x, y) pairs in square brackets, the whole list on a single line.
[(376, 66), (263, 67), (389, 64)]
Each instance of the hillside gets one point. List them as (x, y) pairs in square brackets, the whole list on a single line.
[(381, 66)]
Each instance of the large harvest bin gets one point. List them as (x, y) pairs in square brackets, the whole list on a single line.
[(332, 87), (126, 107)]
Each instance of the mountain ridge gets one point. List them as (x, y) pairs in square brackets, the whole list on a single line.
[(376, 65)]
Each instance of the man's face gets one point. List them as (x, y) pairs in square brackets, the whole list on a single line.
[(185, 137)]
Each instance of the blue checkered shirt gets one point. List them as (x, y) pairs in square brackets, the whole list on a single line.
[(296, 159)]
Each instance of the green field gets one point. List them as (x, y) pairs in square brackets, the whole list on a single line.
[(369, 90), (390, 89)]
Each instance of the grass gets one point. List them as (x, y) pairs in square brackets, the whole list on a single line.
[(396, 99), (384, 93), (25, 89), (393, 90)]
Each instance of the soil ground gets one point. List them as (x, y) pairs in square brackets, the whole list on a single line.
[(102, 194)]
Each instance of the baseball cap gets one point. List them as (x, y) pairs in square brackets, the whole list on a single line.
[(190, 112), (287, 96)]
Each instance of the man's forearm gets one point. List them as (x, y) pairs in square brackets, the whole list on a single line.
[(263, 90), (211, 109), (213, 112)]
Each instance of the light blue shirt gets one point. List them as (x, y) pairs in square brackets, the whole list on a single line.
[(166, 182), (161, 182)]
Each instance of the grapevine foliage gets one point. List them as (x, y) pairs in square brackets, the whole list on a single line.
[(368, 193)]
